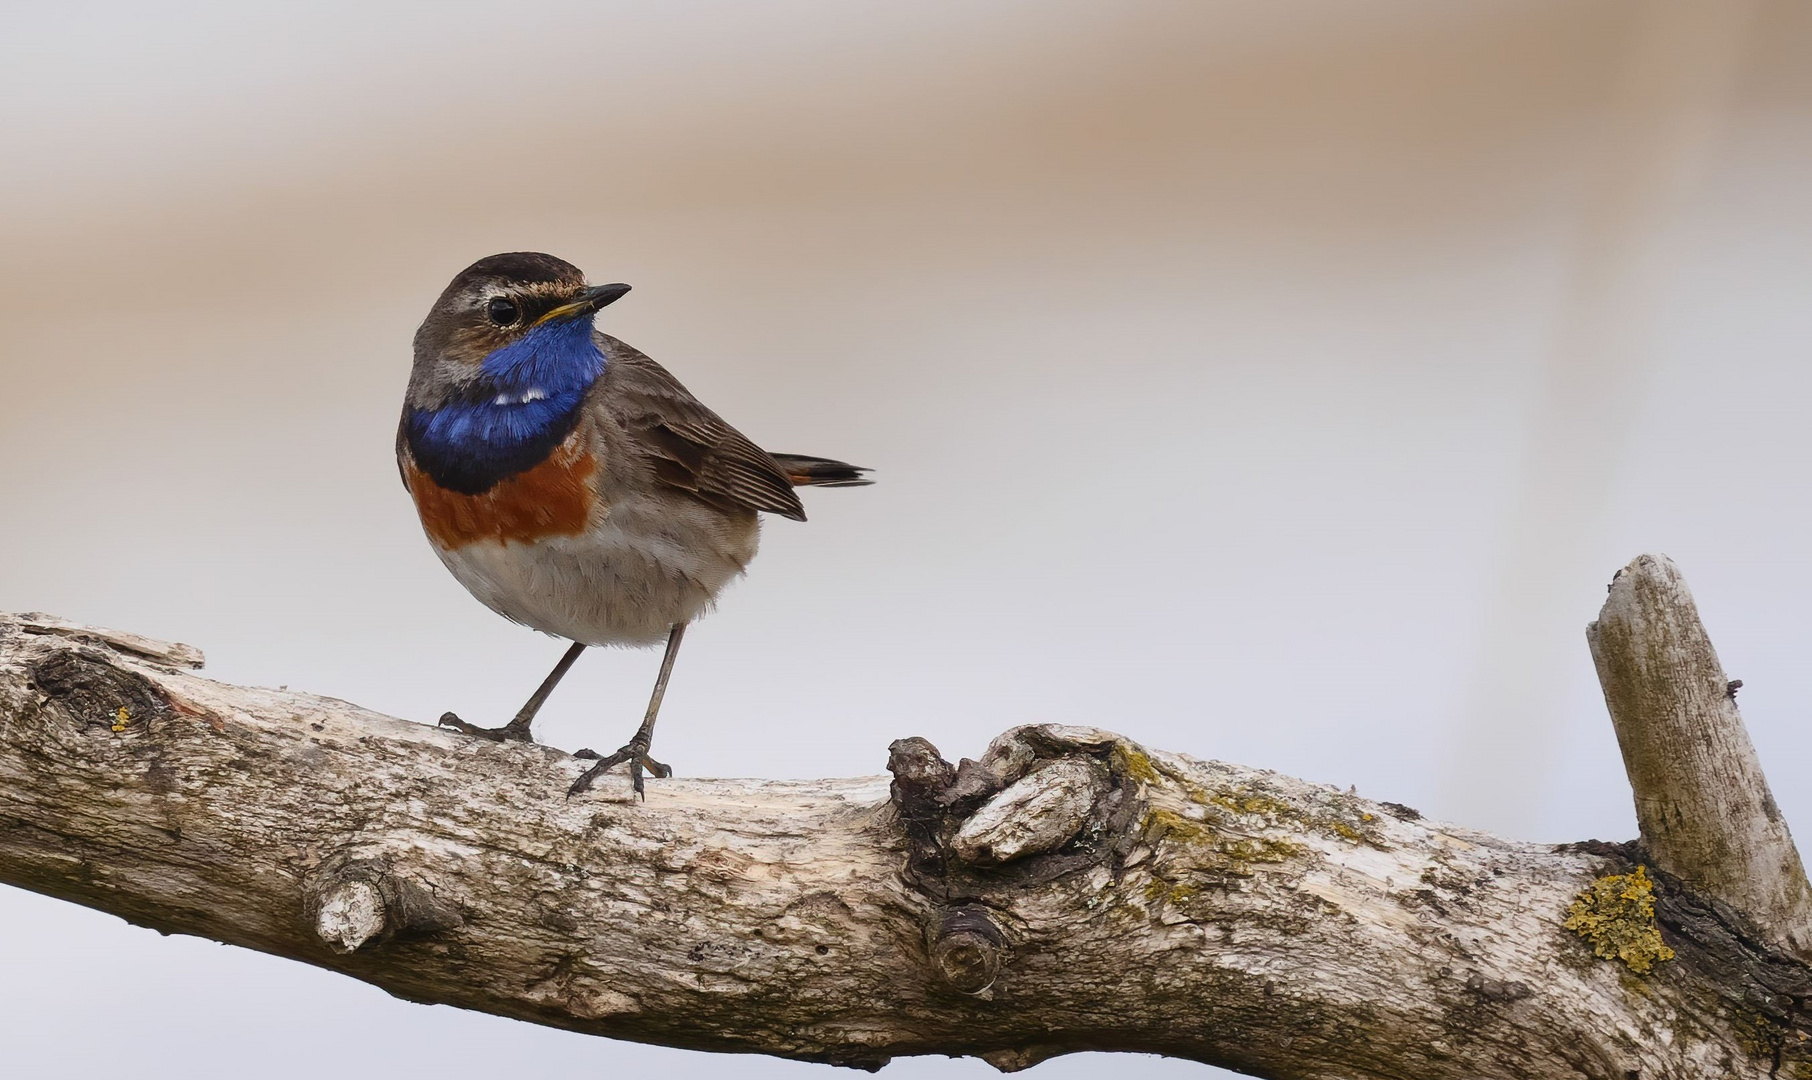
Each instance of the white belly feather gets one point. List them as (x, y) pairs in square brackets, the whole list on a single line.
[(621, 582)]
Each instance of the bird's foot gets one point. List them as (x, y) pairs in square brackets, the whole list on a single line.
[(636, 753), (510, 732)]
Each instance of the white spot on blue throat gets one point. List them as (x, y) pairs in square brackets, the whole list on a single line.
[(533, 393)]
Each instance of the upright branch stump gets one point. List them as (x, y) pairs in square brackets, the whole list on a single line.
[(1702, 803)]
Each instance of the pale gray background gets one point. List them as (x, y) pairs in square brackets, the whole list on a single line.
[(1278, 382)]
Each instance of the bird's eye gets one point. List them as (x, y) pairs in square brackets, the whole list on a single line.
[(502, 311)]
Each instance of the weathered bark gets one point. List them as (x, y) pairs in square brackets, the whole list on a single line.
[(1702, 803), (1071, 891)]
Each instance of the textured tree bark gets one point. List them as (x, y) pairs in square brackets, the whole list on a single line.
[(1070, 891), (1702, 803)]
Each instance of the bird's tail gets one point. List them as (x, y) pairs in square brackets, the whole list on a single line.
[(820, 472)]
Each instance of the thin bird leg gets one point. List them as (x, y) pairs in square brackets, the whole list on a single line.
[(517, 730), (636, 750)]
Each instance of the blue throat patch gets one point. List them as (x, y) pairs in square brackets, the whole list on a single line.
[(525, 403)]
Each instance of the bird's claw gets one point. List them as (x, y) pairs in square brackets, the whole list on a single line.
[(510, 732), (636, 754)]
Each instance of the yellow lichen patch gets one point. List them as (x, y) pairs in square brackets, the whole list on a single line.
[(1133, 763), (1213, 852), (121, 719), (1183, 844), (1160, 824), (1617, 915), (1339, 816), (1157, 889), (1254, 803)]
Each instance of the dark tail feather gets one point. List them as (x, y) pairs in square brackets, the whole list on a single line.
[(820, 472)]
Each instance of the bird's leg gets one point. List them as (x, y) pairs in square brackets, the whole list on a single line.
[(636, 750), (517, 730)]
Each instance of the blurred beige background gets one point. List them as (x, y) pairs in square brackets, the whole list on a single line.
[(1278, 382)]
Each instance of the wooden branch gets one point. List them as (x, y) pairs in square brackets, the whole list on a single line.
[(1070, 891), (1702, 803)]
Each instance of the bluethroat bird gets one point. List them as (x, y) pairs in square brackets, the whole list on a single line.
[(571, 484)]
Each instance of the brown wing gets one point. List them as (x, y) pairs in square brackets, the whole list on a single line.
[(690, 447)]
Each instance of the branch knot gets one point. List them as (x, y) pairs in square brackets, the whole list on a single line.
[(968, 950), (363, 901)]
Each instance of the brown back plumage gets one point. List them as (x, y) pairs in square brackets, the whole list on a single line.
[(691, 449)]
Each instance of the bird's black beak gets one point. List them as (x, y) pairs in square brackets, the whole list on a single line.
[(603, 295), (587, 302)]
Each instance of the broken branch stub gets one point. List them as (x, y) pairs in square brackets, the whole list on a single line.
[(362, 901), (968, 950), (352, 913), (1702, 802), (1041, 811)]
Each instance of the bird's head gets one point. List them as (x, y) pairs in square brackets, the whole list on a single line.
[(509, 327)]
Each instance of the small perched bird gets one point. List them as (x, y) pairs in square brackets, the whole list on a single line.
[(571, 484)]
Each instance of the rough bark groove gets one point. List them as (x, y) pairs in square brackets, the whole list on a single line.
[(1070, 891)]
